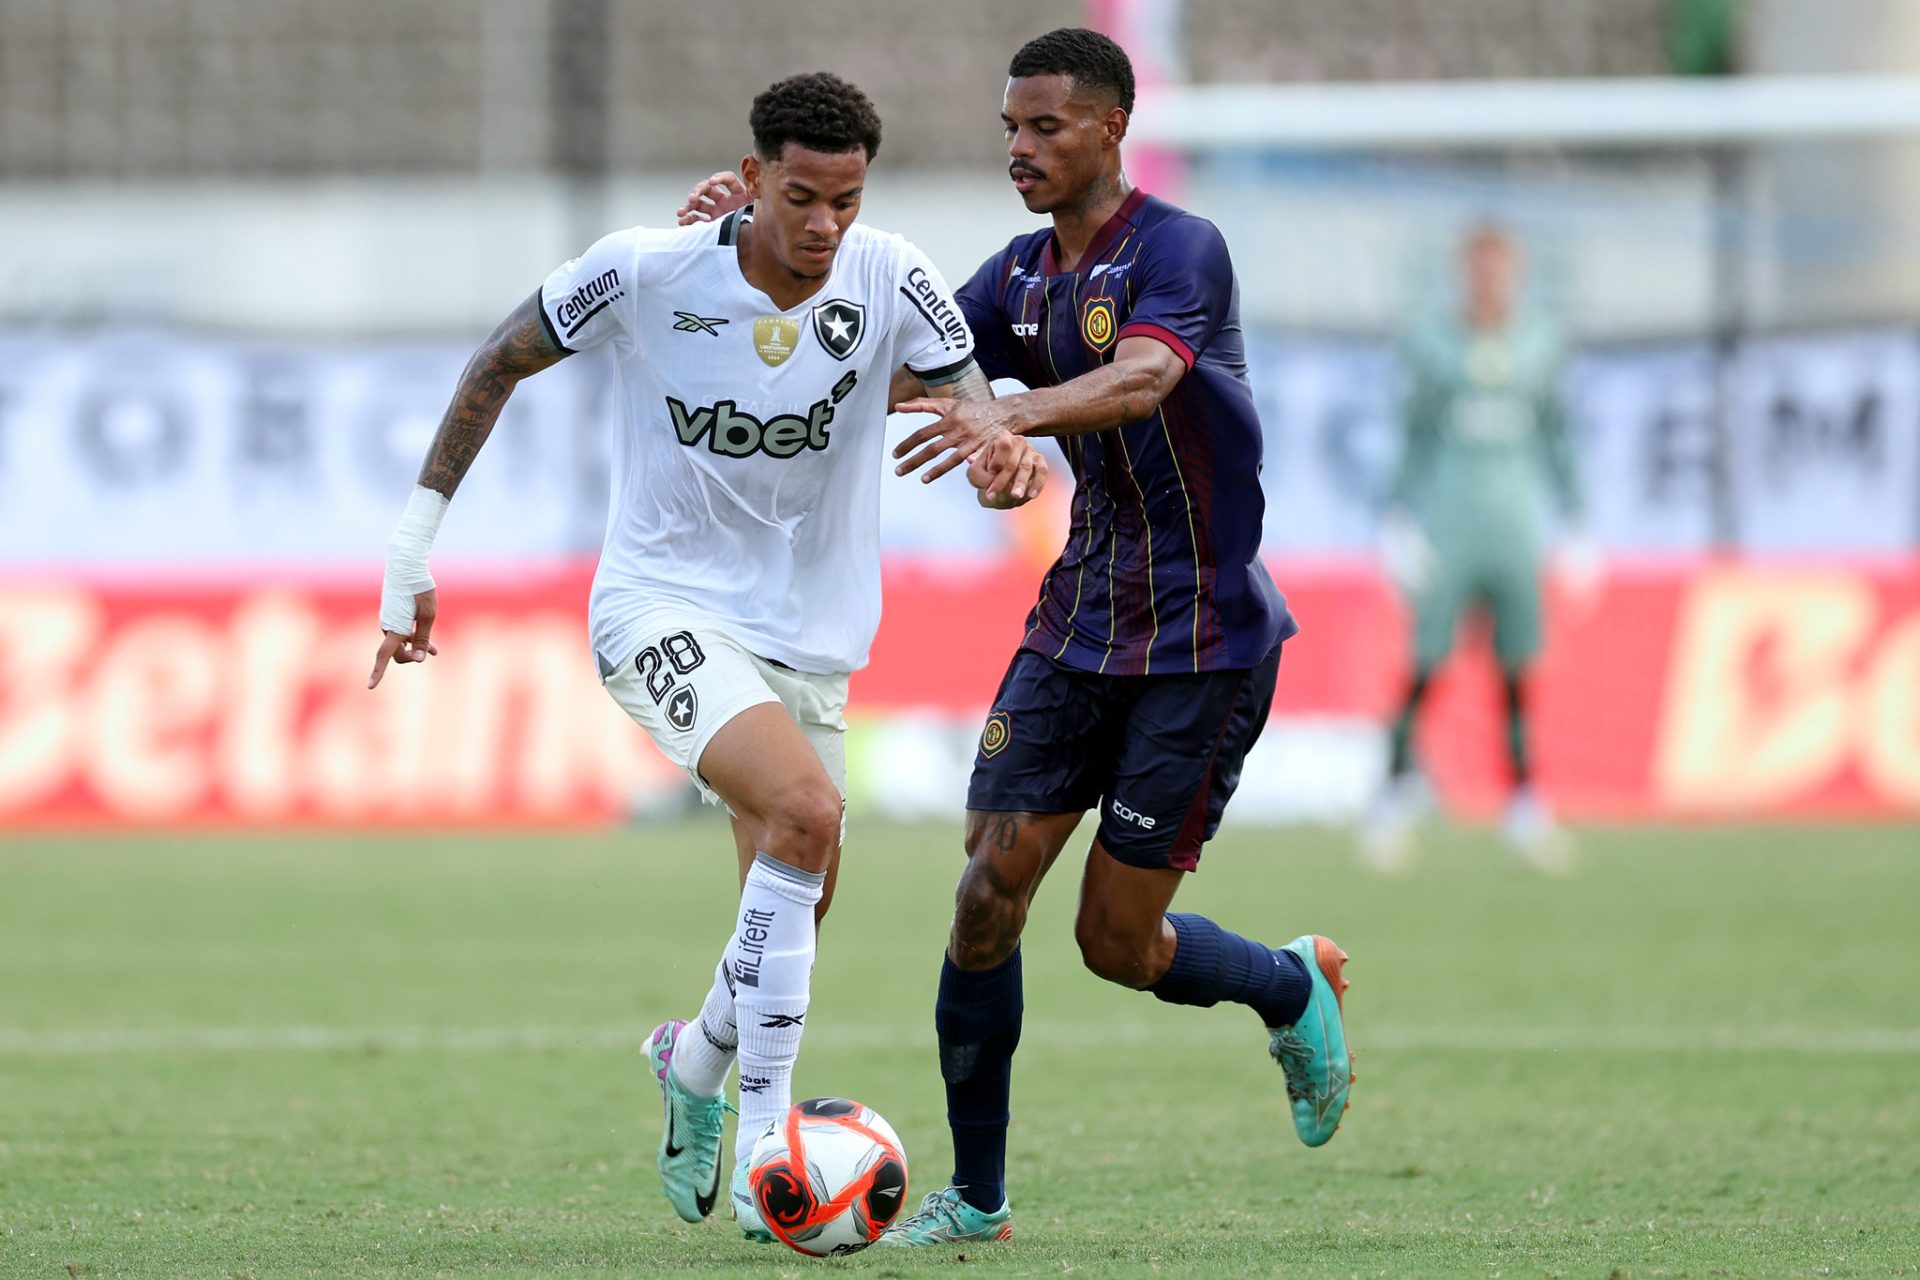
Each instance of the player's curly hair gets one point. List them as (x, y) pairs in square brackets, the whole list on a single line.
[(1093, 60), (818, 110)]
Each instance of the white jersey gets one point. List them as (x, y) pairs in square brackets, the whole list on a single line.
[(746, 476)]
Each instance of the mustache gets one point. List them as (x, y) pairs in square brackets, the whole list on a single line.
[(1025, 171)]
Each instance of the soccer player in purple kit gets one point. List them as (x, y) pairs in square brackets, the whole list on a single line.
[(1149, 662)]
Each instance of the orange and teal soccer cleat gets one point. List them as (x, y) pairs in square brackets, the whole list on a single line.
[(1313, 1051), (690, 1140), (946, 1218)]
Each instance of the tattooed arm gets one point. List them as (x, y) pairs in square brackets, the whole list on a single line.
[(519, 347)]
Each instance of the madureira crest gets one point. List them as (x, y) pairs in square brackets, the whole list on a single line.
[(1097, 323), (999, 729)]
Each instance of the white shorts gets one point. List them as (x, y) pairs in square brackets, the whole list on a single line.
[(688, 679)]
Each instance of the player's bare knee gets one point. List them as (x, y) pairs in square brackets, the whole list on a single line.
[(986, 923), (1116, 957), (803, 827)]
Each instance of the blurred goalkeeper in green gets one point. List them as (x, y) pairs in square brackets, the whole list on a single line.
[(1466, 529)]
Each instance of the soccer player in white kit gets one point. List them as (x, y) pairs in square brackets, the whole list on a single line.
[(739, 582)]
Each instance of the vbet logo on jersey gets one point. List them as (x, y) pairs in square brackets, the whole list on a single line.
[(738, 435), (774, 339), (839, 325)]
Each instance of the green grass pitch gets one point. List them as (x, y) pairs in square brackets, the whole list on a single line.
[(418, 1056)]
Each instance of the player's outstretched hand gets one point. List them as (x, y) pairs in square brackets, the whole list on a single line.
[(715, 196), (413, 647), (960, 430), (1009, 473)]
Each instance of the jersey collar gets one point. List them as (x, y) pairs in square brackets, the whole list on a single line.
[(731, 224), (1102, 239)]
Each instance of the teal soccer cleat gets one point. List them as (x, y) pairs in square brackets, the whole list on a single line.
[(745, 1212), (1313, 1051), (946, 1218), (690, 1140)]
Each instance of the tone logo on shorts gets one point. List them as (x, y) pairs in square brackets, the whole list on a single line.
[(683, 708), (1096, 323), (995, 735)]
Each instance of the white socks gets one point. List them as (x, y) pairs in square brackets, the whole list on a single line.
[(763, 1009), (704, 1053)]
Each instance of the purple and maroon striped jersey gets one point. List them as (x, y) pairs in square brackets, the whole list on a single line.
[(1161, 573)]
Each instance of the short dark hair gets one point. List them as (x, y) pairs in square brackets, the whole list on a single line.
[(818, 110), (1093, 60)]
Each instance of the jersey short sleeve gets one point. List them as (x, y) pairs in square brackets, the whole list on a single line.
[(930, 335), (588, 301), (981, 305), (1183, 288)]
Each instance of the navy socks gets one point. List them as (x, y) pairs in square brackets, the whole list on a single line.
[(977, 1016), (1211, 965)]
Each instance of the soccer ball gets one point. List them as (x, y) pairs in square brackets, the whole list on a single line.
[(828, 1177)]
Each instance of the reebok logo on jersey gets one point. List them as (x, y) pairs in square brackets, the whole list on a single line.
[(780, 1021), (940, 314), (687, 322), (1125, 814), (734, 434), (588, 301)]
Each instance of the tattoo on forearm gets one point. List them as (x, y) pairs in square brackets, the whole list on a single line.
[(517, 348), (971, 385)]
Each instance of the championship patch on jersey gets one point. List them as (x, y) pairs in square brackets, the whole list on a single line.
[(994, 736), (1097, 323), (774, 339), (838, 324)]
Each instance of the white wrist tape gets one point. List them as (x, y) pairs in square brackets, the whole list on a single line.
[(407, 550)]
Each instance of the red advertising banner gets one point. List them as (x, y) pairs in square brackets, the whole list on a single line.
[(1700, 691)]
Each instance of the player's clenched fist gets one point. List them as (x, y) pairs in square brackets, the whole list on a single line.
[(1009, 472)]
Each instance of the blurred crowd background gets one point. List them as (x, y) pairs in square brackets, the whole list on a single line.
[(248, 243)]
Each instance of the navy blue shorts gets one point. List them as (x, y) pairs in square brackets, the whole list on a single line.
[(1159, 756)]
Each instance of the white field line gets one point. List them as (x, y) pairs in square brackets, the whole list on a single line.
[(419, 1039)]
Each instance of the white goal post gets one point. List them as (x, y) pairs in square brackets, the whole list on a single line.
[(1468, 114)]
